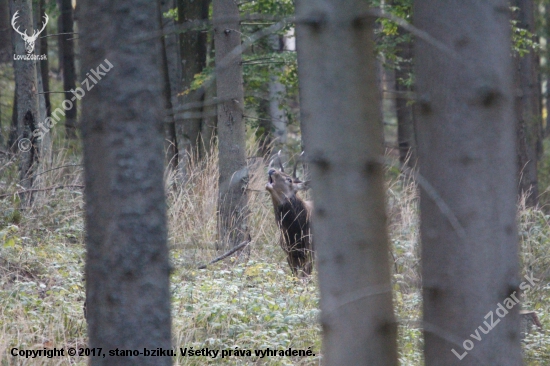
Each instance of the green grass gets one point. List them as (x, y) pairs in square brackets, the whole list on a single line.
[(252, 305)]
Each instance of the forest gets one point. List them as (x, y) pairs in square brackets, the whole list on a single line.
[(275, 182)]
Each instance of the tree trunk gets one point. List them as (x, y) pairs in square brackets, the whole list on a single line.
[(340, 99), (44, 64), (66, 47), (209, 122), (27, 96), (193, 44), (466, 151), (6, 48), (233, 196), (172, 45), (547, 95), (276, 99), (127, 264), (528, 110), (45, 140), (12, 136), (170, 141), (405, 122), (43, 87)]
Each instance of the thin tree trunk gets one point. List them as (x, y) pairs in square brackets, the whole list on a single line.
[(127, 264), (27, 96), (193, 48), (6, 48), (44, 64), (276, 97), (1, 129), (233, 196), (467, 159), (12, 136), (45, 142), (405, 122), (67, 62), (209, 122), (547, 95), (264, 133), (172, 44), (528, 110), (170, 141), (340, 101)]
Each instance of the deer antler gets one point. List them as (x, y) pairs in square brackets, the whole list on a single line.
[(15, 16), (296, 165)]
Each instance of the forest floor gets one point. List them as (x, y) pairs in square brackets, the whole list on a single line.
[(250, 305)]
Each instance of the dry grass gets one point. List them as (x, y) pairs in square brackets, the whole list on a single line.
[(256, 304)]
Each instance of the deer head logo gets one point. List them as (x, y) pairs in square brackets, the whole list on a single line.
[(29, 40)]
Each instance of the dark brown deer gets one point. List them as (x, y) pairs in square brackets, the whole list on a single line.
[(293, 218)]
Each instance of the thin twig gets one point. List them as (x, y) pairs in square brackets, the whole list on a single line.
[(41, 190), (49, 170), (237, 248), (57, 34)]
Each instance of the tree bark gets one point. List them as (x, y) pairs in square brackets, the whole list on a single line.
[(467, 159), (12, 136), (43, 87), (6, 48), (406, 139), (27, 96), (193, 48), (528, 110), (276, 97), (340, 102), (66, 47), (233, 180), (209, 122), (170, 140), (127, 264), (44, 64)]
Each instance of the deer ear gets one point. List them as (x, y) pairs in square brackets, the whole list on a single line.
[(302, 186)]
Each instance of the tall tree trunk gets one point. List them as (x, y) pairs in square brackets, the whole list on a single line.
[(44, 64), (209, 122), (170, 141), (233, 196), (12, 136), (172, 44), (547, 95), (66, 47), (27, 96), (276, 97), (528, 110), (6, 50), (340, 98), (127, 264), (43, 87), (193, 48), (406, 139), (466, 151)]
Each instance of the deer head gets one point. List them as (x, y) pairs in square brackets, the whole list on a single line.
[(282, 186), (29, 40)]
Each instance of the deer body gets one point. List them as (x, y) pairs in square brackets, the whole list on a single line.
[(293, 219)]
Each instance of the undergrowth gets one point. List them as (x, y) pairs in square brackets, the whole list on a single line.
[(232, 304)]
